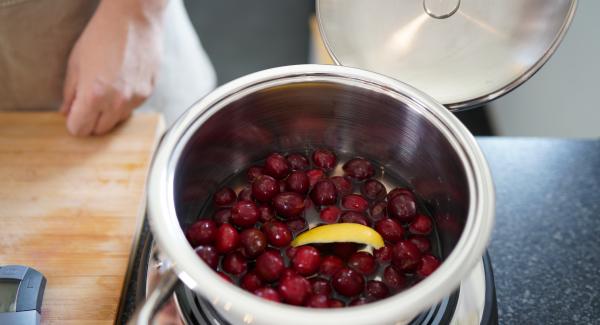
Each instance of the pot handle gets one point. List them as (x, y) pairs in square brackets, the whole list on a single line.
[(162, 291)]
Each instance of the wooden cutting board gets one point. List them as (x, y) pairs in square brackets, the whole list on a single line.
[(71, 208)]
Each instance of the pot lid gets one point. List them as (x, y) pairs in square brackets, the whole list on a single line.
[(463, 53)]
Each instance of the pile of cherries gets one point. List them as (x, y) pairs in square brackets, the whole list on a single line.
[(247, 241)]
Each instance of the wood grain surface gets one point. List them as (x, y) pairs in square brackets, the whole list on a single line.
[(71, 208)]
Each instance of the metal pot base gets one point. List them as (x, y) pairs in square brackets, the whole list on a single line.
[(474, 302)]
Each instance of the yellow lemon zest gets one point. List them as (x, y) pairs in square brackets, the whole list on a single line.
[(339, 233)]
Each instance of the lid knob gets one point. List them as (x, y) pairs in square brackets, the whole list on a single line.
[(441, 9)]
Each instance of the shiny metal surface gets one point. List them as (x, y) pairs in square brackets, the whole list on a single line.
[(462, 59), (471, 300), (350, 110), (161, 292), (170, 313)]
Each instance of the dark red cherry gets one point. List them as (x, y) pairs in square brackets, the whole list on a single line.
[(268, 293), (360, 301), (362, 262), (355, 202), (269, 265), (251, 281), (373, 190), (278, 234), (287, 272), (222, 216), (282, 186), (291, 251), (202, 232), (383, 254), (359, 168), (297, 161), (393, 279), (390, 230), (330, 214), (296, 225), (324, 193), (265, 188), (289, 204), (344, 250), (354, 217), (267, 212), (294, 290), (227, 238), (253, 242), (320, 286), (297, 182), (330, 265), (318, 301), (253, 173), (377, 290), (406, 256), (234, 263), (421, 225), (335, 303), (315, 175), (244, 214), (209, 255), (324, 159), (342, 184), (307, 260), (429, 263), (307, 203), (402, 206), (422, 243), (397, 191), (378, 210), (224, 197), (245, 194), (277, 166), (348, 282)]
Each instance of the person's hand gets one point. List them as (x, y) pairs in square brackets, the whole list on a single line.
[(112, 67)]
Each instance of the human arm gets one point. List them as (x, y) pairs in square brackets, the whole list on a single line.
[(113, 65)]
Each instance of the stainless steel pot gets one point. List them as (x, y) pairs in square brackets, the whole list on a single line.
[(350, 110)]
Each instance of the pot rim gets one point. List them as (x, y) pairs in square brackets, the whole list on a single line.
[(399, 307)]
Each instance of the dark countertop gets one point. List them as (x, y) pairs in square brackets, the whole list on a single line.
[(545, 248)]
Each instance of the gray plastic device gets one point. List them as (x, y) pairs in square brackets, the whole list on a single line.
[(21, 293)]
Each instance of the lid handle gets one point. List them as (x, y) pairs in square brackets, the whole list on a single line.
[(441, 9)]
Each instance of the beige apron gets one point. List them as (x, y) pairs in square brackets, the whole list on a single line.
[(36, 37)]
